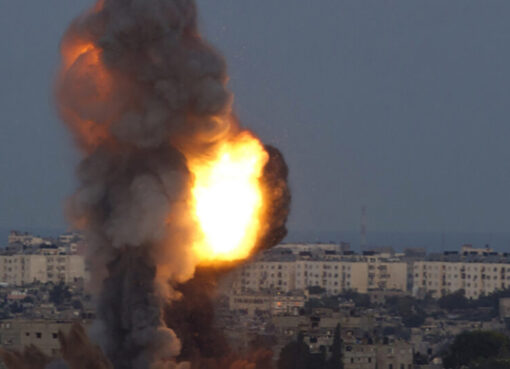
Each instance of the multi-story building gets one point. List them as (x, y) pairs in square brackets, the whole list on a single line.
[(333, 275), (298, 248), (476, 274), (387, 275), (262, 275), (21, 269), (293, 274), (287, 269)]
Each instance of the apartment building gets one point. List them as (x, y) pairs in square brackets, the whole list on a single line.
[(286, 269), (262, 275), (387, 275), (21, 269), (332, 275), (476, 276)]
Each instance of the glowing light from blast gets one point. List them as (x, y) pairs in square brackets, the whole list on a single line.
[(227, 199)]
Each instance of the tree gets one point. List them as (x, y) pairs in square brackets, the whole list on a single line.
[(28, 300), (454, 301), (316, 290), (494, 364), (420, 359), (294, 355), (476, 347), (263, 341), (77, 304), (359, 299), (59, 293), (408, 308), (413, 320), (16, 308), (335, 360)]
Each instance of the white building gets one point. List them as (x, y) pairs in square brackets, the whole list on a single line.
[(289, 268), (332, 275), (20, 269), (474, 277)]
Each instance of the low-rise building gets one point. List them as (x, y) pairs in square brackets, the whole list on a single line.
[(394, 355), (15, 334)]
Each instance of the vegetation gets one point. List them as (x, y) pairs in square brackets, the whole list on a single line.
[(454, 301), (335, 360), (483, 308), (60, 293), (316, 290), (297, 355), (360, 299), (478, 350), (410, 309)]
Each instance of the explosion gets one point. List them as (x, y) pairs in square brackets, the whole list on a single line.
[(227, 199), (172, 189)]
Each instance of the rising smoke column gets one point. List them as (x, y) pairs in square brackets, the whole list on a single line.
[(144, 96)]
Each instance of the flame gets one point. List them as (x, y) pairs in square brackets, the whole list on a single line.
[(228, 198), (71, 52)]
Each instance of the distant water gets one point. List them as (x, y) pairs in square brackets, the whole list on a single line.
[(432, 241)]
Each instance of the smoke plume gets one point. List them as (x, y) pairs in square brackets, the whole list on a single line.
[(142, 93)]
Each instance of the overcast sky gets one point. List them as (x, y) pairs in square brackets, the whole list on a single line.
[(399, 105)]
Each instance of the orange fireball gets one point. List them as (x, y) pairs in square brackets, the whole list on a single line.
[(227, 199)]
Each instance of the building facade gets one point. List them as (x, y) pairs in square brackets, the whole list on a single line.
[(288, 268), (476, 278), (18, 334), (21, 269)]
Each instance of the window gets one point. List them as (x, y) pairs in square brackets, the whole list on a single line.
[(38, 334)]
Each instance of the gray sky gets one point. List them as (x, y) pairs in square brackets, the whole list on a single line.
[(399, 105)]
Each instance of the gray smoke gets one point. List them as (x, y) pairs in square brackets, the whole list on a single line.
[(141, 90)]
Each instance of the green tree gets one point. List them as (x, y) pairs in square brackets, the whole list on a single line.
[(294, 355), (360, 299), (454, 301), (77, 304), (59, 293), (408, 308), (16, 308), (335, 360), (473, 348), (316, 290), (496, 363)]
